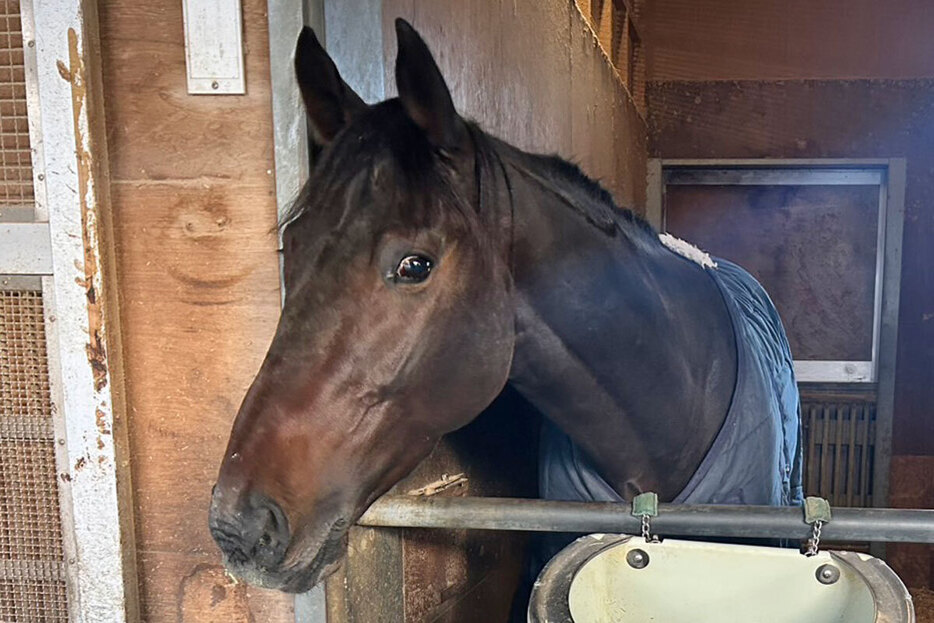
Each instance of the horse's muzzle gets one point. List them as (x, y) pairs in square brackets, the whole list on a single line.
[(251, 531)]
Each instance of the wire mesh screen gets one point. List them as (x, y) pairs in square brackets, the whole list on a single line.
[(32, 585), (15, 156)]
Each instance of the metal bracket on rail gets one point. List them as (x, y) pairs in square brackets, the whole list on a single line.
[(645, 506)]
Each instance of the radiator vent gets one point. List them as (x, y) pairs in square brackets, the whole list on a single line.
[(839, 437)]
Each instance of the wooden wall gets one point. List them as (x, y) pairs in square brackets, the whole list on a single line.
[(198, 273), (727, 104), (532, 72), (772, 40)]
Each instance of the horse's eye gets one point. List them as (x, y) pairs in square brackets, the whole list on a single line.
[(412, 269)]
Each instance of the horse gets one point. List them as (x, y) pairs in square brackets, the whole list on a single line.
[(428, 268)]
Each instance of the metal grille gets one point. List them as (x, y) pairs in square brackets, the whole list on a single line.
[(15, 155), (839, 446), (32, 586)]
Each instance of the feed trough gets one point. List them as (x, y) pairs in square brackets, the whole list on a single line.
[(620, 578)]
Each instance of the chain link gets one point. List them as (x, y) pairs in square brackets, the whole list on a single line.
[(647, 532), (814, 541)]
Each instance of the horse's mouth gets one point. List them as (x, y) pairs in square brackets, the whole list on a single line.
[(298, 576)]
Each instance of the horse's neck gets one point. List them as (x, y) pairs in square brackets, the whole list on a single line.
[(625, 346)]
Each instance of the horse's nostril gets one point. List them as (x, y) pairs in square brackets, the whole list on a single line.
[(257, 532)]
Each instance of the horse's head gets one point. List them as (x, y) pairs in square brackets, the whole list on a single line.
[(397, 325)]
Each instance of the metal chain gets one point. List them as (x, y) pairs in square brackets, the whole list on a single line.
[(646, 531), (814, 541)]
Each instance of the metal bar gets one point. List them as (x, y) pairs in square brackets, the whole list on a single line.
[(31, 570), (786, 163), (851, 465), (25, 249), (26, 428), (21, 283), (810, 371), (756, 177), (767, 522)]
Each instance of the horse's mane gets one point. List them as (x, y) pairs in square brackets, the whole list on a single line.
[(586, 196)]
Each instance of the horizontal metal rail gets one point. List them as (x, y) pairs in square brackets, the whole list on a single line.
[(766, 522)]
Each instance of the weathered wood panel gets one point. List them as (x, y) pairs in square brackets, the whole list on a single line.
[(193, 208), (769, 40), (533, 73)]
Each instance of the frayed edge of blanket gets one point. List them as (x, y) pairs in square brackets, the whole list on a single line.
[(687, 250)]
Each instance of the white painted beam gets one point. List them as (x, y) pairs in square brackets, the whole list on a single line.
[(25, 249), (101, 573)]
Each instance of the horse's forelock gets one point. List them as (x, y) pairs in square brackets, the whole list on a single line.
[(383, 143)]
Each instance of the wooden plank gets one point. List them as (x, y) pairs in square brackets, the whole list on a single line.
[(582, 78), (866, 433), (841, 415), (865, 458), (852, 477), (157, 130), (194, 213), (534, 39), (812, 471), (183, 587), (200, 291), (826, 460)]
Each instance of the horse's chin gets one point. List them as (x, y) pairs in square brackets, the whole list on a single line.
[(297, 575)]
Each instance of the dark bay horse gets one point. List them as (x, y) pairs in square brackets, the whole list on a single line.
[(428, 265)]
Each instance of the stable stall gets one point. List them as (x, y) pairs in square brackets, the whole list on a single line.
[(148, 150)]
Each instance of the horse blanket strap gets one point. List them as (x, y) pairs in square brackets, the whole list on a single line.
[(816, 514)]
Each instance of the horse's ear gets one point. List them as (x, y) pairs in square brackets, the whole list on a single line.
[(330, 103), (423, 92)]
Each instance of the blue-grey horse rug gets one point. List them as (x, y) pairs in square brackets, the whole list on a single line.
[(756, 458)]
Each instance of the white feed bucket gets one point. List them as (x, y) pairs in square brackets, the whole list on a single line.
[(619, 578)]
